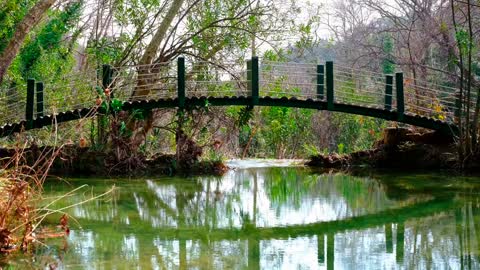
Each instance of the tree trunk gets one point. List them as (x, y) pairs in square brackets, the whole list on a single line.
[(141, 128), (152, 48), (30, 20)]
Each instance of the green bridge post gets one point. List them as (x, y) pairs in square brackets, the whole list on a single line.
[(400, 95), (249, 75), (330, 86), (388, 92), (39, 91), (107, 74), (320, 82), (253, 78), (181, 82), (30, 102)]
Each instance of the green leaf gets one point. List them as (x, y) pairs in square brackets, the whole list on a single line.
[(116, 105), (123, 128)]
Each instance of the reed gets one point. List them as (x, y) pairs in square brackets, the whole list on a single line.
[(22, 205)]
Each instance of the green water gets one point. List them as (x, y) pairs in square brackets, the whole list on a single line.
[(269, 218)]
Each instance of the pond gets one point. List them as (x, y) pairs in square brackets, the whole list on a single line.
[(266, 215)]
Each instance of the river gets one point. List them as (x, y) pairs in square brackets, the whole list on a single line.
[(268, 215)]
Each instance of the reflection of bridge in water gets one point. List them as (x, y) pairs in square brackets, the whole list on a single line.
[(175, 206), (391, 219)]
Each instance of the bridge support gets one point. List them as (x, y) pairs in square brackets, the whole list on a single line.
[(39, 91), (181, 82), (388, 92), (330, 86), (253, 79), (30, 103), (320, 82), (400, 95)]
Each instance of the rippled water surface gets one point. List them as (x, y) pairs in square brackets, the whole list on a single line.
[(274, 217)]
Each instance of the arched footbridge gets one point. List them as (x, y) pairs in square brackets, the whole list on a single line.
[(178, 84)]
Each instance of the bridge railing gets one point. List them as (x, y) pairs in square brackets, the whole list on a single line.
[(362, 87), (298, 80), (431, 99), (72, 92), (208, 79), (329, 83), (12, 104), (143, 82)]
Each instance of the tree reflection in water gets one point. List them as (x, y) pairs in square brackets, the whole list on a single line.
[(275, 218)]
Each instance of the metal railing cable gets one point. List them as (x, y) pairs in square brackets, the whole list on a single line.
[(203, 78)]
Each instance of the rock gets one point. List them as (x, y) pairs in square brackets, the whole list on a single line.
[(394, 136), (433, 137), (399, 148)]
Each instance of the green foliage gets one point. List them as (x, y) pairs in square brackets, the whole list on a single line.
[(123, 128), (271, 55), (463, 40), (48, 39), (46, 54), (244, 116), (106, 50), (356, 132), (140, 114), (11, 13), (116, 105), (341, 148), (214, 39), (388, 65), (284, 131), (311, 150)]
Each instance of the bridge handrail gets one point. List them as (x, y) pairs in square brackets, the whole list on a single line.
[(320, 82)]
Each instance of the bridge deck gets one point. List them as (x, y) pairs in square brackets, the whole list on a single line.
[(416, 120)]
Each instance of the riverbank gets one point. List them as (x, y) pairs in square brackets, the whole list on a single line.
[(181, 210), (73, 160), (399, 148)]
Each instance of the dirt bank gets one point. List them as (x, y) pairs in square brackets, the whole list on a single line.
[(74, 160), (399, 148)]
